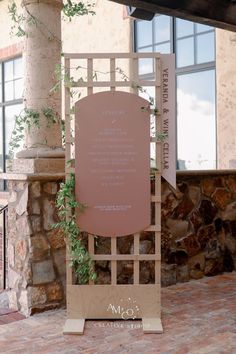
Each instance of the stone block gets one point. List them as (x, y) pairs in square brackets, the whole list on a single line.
[(40, 248), (194, 194), (168, 274), (23, 226), (183, 209), (59, 258), (22, 203), (36, 223), (178, 228), (55, 292), (24, 303), (43, 272), (35, 189), (37, 295), (21, 249), (56, 239), (207, 211), (182, 274), (11, 255), (221, 198), (50, 188), (12, 298), (230, 212), (34, 207), (14, 279), (49, 214), (39, 165)]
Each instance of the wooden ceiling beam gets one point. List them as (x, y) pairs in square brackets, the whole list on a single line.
[(217, 13)]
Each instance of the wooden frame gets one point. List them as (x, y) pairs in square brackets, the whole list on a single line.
[(92, 301)]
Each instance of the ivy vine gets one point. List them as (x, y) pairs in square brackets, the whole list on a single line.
[(67, 206), (70, 10)]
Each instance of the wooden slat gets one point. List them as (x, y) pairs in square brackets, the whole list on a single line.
[(113, 73), (136, 262), (69, 273), (91, 251), (90, 83), (158, 121), (110, 55), (113, 261), (153, 228), (111, 83), (125, 257)]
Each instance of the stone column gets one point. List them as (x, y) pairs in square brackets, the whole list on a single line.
[(36, 252), (226, 98), (42, 52)]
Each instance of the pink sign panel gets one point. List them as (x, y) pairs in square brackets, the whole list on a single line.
[(112, 163)]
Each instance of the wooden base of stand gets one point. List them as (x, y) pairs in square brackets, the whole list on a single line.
[(152, 325), (74, 326)]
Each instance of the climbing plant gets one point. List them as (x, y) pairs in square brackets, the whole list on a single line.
[(68, 207)]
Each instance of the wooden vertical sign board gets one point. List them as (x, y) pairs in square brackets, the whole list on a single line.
[(112, 177)]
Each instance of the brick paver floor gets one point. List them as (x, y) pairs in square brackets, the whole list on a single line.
[(199, 317)]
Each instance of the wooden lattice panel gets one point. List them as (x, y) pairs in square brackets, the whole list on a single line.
[(93, 301)]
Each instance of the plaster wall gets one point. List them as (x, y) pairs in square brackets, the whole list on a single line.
[(5, 26), (226, 98)]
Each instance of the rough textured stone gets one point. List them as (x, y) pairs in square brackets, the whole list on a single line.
[(56, 239), (35, 189), (194, 194), (168, 274), (50, 187), (49, 214), (124, 244), (221, 198), (37, 295), (145, 246), (205, 234), (23, 226), (22, 203), (210, 184), (190, 243), (182, 273), (34, 207), (36, 224), (59, 258), (21, 249), (177, 229), (54, 292), (168, 204), (183, 209), (43, 272), (230, 212), (195, 220), (12, 298), (213, 267), (207, 211), (231, 183), (14, 279), (40, 248), (24, 303)]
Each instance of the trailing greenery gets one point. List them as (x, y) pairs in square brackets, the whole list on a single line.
[(26, 119), (29, 118), (70, 9), (67, 208)]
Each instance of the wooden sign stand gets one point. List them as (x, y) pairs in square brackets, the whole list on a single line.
[(106, 301)]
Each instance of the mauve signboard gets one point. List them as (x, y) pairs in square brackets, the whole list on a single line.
[(112, 163)]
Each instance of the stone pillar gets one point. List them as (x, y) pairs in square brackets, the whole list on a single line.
[(36, 252), (42, 52), (226, 98)]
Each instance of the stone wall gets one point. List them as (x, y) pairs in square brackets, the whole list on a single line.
[(198, 232), (198, 226), (36, 252)]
